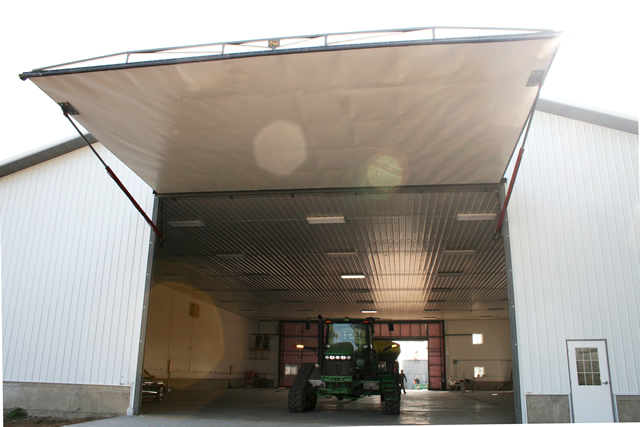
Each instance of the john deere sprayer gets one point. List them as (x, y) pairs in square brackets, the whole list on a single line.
[(351, 365)]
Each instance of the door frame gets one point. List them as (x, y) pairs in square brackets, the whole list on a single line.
[(606, 349)]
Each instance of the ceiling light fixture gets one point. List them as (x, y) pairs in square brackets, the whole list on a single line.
[(182, 224), (460, 252), (341, 254), (325, 219), (352, 276), (369, 311), (225, 256), (477, 217)]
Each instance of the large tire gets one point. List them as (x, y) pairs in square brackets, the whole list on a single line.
[(302, 397), (392, 407)]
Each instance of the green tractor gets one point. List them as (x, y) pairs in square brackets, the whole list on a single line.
[(351, 365)]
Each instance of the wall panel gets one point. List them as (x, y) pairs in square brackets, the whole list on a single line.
[(74, 258), (574, 223)]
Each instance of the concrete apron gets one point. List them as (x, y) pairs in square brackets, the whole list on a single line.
[(243, 407)]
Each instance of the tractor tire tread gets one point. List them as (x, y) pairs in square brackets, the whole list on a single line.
[(299, 390), (392, 407)]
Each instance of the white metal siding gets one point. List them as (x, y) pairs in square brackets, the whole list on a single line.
[(574, 222), (74, 258)]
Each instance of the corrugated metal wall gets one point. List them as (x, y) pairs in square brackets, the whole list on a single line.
[(574, 222), (74, 258)]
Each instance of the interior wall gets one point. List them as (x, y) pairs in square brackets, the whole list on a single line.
[(494, 354), (213, 350)]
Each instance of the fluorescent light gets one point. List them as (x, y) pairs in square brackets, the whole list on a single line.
[(352, 276), (369, 311), (300, 346), (223, 256), (359, 291), (341, 254), (460, 252), (325, 219), (477, 217), (450, 274), (181, 224)]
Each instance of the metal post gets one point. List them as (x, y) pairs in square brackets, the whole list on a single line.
[(517, 395), (145, 313)]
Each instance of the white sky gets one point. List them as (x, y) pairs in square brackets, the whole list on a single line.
[(596, 65)]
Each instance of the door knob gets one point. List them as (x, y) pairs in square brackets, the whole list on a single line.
[(605, 382)]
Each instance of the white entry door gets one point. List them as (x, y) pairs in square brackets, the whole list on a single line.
[(590, 383)]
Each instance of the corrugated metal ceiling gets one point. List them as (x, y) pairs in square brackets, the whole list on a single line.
[(399, 240)]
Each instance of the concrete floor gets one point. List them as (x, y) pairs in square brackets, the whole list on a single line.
[(243, 407)]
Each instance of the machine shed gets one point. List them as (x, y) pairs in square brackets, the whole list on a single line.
[(333, 175)]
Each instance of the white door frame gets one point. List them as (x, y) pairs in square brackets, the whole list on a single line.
[(608, 373)]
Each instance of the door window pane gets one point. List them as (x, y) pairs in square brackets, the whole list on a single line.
[(588, 366)]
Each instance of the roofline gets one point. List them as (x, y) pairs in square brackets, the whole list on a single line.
[(43, 154), (612, 120), (593, 115)]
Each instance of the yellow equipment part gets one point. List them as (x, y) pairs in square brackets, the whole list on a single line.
[(386, 346)]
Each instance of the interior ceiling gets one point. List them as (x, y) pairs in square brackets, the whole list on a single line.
[(399, 239), (384, 115)]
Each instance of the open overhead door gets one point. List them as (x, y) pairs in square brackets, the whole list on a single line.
[(425, 112)]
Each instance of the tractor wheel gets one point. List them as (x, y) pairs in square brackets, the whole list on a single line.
[(392, 407), (302, 396), (339, 397)]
